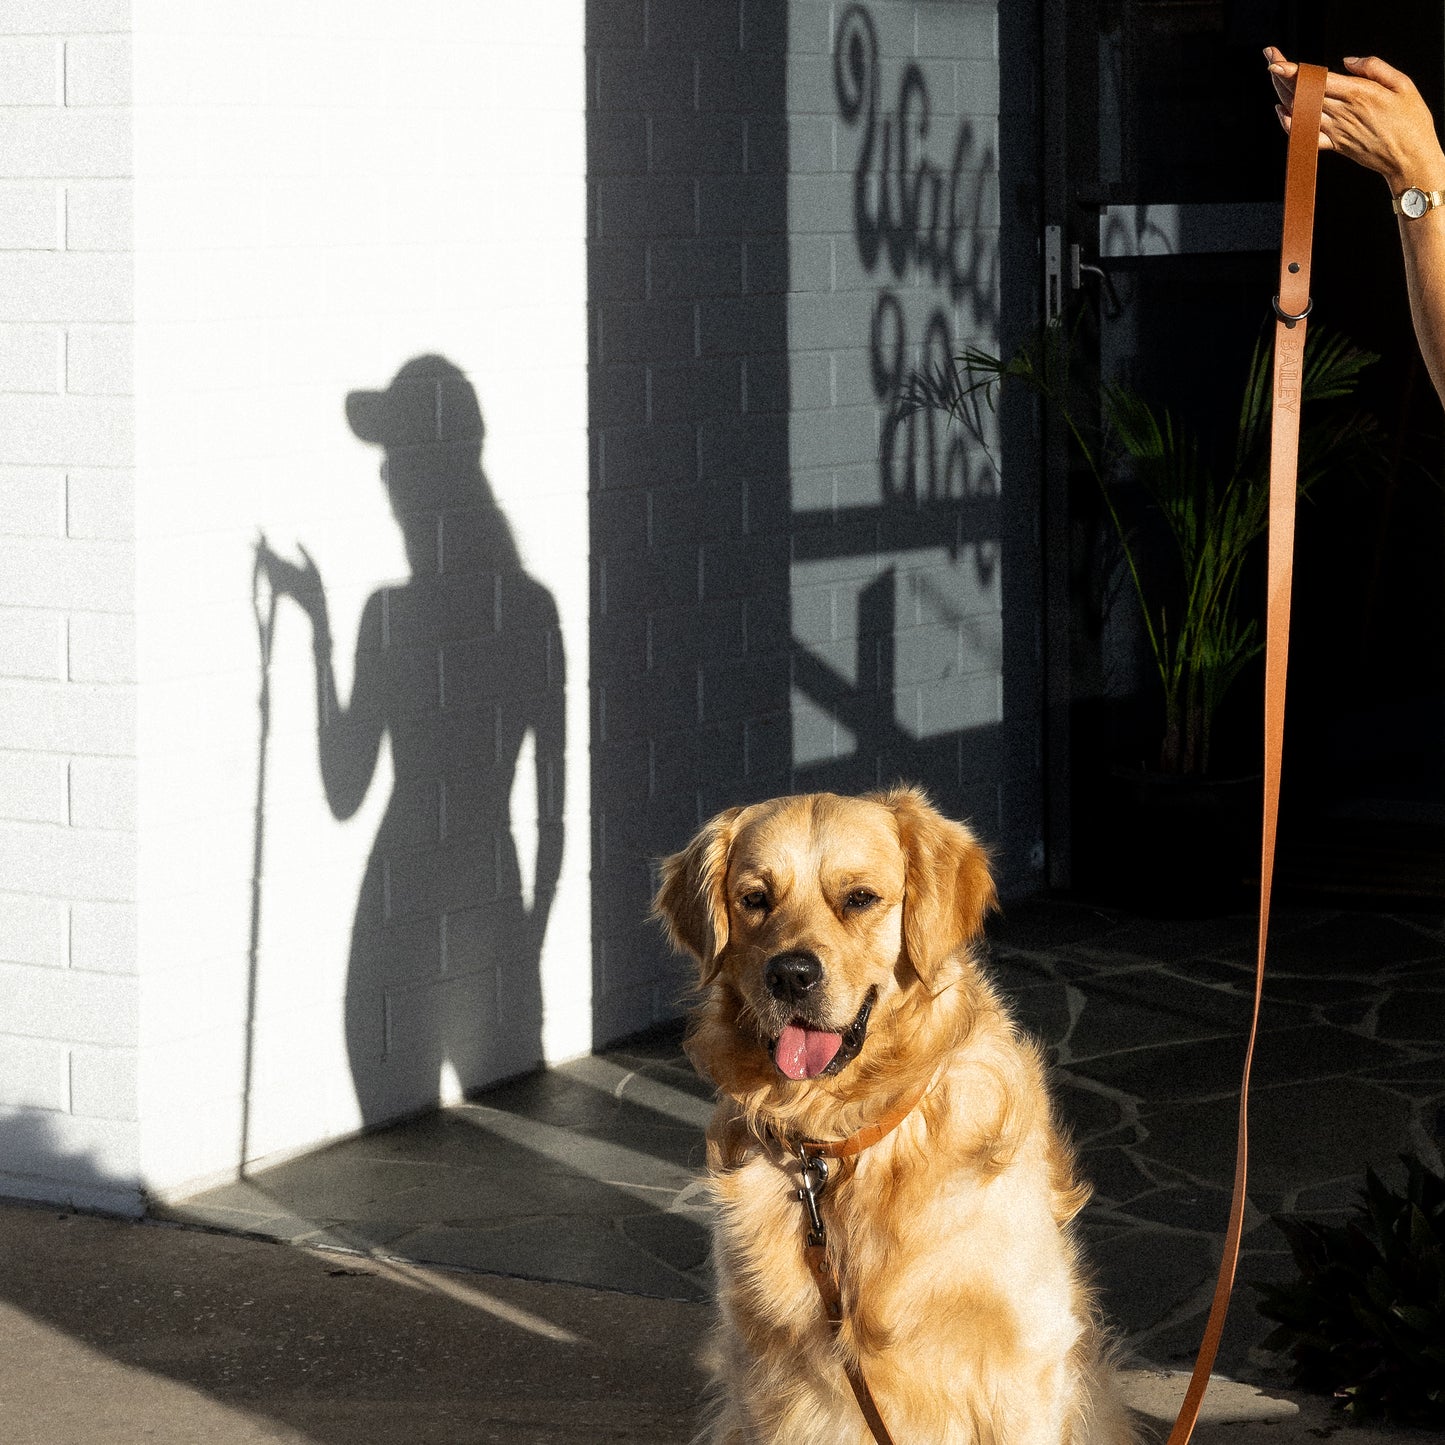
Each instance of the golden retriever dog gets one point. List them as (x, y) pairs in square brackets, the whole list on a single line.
[(838, 988)]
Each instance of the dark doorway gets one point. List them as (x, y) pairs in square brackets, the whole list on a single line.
[(1164, 168), (1364, 790)]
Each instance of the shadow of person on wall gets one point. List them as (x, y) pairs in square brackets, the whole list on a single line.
[(462, 669)]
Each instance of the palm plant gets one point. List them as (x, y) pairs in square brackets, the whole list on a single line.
[(1214, 507)]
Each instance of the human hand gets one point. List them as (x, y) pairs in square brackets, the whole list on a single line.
[(1373, 116), (291, 579)]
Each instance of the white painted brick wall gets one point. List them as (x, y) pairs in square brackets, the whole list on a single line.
[(34, 788), (98, 216), (100, 503), (103, 1084), (101, 937), (34, 502), (32, 358), (689, 401), (97, 70), (32, 216), (31, 71), (32, 643), (35, 1074), (37, 716), (99, 361), (63, 1004), (34, 931), (314, 207), (65, 17), (102, 647), (225, 222), (65, 862), (68, 998), (103, 794)]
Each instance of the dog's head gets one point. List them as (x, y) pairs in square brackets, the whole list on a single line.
[(812, 918)]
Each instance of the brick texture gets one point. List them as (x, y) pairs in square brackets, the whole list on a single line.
[(359, 262), (792, 588), (770, 583), (67, 740), (895, 579), (689, 404)]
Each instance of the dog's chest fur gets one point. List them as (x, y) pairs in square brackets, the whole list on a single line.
[(909, 1230)]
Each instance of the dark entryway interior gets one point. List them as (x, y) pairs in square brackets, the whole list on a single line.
[(1365, 799), (1168, 105)]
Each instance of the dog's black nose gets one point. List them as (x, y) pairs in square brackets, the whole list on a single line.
[(789, 976)]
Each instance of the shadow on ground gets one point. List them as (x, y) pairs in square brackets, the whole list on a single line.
[(123, 1331), (587, 1174), (531, 1266)]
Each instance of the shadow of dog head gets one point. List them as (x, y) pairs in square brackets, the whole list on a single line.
[(820, 924)]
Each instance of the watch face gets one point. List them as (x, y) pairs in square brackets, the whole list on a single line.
[(1414, 203)]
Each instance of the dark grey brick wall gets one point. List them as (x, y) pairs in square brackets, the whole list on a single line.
[(794, 207), (687, 136)]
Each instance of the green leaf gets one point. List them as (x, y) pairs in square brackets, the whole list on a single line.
[(1365, 1320), (1187, 523)]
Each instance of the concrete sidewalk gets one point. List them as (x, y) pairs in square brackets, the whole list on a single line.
[(531, 1266), (116, 1332)]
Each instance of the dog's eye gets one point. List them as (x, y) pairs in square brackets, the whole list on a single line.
[(860, 898), (755, 902)]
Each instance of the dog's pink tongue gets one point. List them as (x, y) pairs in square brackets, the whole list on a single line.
[(804, 1053)]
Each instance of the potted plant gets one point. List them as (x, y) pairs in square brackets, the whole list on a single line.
[(1365, 1319), (1185, 518)]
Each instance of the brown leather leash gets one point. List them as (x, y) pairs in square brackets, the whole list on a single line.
[(1292, 305), (813, 1155)]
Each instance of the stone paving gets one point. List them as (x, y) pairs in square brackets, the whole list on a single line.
[(587, 1174)]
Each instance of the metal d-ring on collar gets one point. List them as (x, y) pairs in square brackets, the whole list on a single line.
[(1285, 316)]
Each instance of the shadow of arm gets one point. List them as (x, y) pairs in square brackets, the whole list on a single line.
[(349, 738), (550, 735)]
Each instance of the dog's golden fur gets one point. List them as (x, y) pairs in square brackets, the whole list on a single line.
[(963, 1299)]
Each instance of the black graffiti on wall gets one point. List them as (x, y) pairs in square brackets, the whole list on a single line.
[(928, 225)]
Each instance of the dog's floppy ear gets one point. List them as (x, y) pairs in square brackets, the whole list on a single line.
[(692, 903), (948, 889)]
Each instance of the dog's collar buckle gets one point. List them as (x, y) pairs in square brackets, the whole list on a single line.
[(815, 1181)]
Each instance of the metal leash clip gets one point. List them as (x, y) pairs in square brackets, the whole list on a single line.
[(815, 1181)]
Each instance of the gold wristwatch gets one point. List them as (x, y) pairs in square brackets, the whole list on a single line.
[(1412, 202)]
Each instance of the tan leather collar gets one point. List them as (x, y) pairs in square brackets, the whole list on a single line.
[(865, 1137)]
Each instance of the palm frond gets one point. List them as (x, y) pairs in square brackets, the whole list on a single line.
[(1214, 515)]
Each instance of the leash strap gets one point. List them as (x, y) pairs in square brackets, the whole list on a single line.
[(822, 1272), (1292, 306), (813, 1156)]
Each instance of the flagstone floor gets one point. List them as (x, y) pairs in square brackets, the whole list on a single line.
[(589, 1173)]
